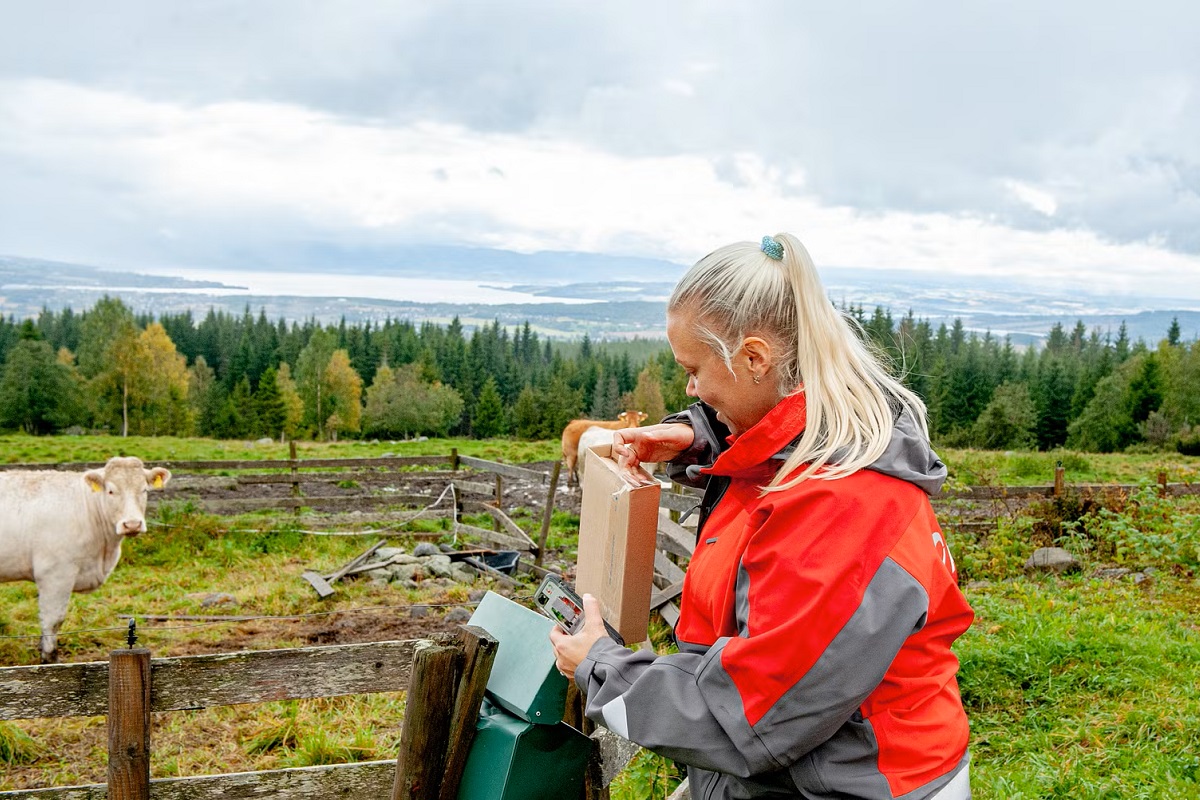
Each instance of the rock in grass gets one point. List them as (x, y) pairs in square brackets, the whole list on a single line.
[(1052, 559)]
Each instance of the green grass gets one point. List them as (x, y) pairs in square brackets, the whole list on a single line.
[(1016, 468), (1084, 688), (21, 448), (1076, 686)]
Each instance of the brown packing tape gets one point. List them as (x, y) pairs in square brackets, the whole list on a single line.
[(618, 524)]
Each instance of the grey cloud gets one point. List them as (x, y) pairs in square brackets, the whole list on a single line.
[(918, 106)]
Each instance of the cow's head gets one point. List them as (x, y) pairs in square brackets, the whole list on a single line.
[(124, 483), (632, 418)]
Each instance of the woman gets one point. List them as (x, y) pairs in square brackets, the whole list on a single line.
[(821, 602)]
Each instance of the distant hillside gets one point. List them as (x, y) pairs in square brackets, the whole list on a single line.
[(626, 296)]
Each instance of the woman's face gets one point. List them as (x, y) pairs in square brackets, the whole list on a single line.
[(737, 399)]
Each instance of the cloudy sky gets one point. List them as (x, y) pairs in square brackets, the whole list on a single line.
[(1056, 141)]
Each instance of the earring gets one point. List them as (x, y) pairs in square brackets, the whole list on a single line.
[(757, 378)]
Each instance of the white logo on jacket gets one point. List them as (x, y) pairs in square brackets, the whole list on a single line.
[(939, 544)]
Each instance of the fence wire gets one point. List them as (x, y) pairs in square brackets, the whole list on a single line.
[(150, 628)]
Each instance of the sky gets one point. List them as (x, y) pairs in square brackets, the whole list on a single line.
[(1052, 142)]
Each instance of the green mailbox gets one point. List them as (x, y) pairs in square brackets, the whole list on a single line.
[(522, 748)]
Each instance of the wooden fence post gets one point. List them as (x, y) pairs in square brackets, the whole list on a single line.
[(295, 473), (479, 653), (541, 553), (1058, 480), (129, 724), (429, 707), (454, 458), (676, 488), (1162, 483), (499, 501)]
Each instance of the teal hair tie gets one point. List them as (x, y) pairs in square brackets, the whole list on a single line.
[(772, 248)]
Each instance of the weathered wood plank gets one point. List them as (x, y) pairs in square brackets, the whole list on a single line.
[(318, 582), (95, 791), (663, 596), (225, 505), (611, 754), (373, 477), (340, 573), (507, 470), (251, 464), (666, 567), (679, 502), (473, 487), (674, 538), (509, 526), (54, 690), (502, 540), (369, 779), (670, 614), (192, 682), (682, 792)]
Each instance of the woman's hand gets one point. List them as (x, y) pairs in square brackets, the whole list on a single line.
[(650, 444), (570, 650)]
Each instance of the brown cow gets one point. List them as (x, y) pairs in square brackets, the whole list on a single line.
[(576, 427)]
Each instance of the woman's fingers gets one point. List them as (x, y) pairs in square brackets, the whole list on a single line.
[(570, 651)]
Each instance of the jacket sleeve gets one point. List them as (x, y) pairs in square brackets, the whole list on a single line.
[(709, 441), (819, 624)]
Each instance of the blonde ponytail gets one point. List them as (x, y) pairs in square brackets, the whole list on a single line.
[(851, 398)]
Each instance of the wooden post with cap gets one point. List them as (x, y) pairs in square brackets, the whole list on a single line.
[(129, 721)]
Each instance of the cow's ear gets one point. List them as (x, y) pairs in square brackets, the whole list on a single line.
[(94, 479), (158, 477)]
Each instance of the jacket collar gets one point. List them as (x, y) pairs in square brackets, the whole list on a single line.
[(756, 446)]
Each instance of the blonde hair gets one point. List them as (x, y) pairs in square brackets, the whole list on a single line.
[(851, 397)]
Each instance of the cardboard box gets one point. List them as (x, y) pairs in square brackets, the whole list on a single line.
[(618, 524)]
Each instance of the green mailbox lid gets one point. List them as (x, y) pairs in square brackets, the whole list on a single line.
[(524, 680)]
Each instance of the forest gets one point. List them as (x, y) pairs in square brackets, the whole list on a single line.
[(228, 376)]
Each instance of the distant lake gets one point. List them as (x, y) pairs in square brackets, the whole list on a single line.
[(325, 284)]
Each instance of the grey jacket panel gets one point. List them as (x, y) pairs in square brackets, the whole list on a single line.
[(910, 457), (686, 707), (657, 702), (709, 441), (894, 606)]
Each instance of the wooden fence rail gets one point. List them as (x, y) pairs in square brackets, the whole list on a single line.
[(393, 469), (444, 678), (437, 733)]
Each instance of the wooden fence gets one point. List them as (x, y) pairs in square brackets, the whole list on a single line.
[(356, 484), (444, 679), (311, 480)]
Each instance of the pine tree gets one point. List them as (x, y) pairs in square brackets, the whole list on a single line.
[(269, 405), (605, 397), (1173, 332), (488, 420), (38, 394)]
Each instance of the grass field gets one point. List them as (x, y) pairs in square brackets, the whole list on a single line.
[(1077, 686)]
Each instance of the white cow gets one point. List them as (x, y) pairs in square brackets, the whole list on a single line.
[(596, 436), (63, 531)]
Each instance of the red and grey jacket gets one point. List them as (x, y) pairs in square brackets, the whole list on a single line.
[(814, 633)]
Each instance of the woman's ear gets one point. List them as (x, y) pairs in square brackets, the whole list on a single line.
[(758, 351)]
